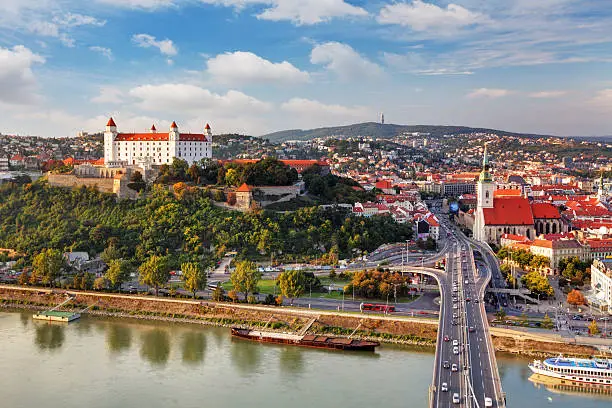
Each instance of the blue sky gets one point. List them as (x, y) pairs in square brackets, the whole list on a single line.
[(256, 66)]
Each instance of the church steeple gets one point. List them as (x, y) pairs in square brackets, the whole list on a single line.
[(485, 175), (485, 189)]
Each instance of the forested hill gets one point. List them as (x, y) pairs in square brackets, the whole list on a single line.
[(381, 131)]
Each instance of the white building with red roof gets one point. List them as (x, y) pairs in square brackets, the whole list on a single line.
[(507, 212), (154, 148)]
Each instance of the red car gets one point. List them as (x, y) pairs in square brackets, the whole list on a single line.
[(446, 338)]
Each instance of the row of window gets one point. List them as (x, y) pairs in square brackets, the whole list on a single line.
[(582, 372)]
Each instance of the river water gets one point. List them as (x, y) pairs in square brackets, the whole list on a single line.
[(100, 362)]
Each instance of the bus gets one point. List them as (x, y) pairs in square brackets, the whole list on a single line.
[(377, 307)]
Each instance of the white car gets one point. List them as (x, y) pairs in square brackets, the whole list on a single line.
[(488, 402), (454, 368), (456, 398), (455, 342), (455, 350), (444, 387)]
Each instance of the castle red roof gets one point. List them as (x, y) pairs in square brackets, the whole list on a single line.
[(545, 210), (159, 137), (507, 193), (173, 125), (207, 126), (111, 122), (509, 211)]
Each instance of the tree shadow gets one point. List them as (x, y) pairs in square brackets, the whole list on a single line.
[(118, 338), (194, 347), (155, 347), (49, 336)]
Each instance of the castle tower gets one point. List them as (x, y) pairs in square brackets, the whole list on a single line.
[(153, 129), (110, 151)]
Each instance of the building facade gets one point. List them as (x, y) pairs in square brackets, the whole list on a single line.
[(154, 148), (4, 163), (601, 283)]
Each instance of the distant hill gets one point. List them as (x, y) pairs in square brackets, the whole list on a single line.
[(380, 131)]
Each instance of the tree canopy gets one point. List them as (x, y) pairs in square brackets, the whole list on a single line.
[(155, 272), (245, 278)]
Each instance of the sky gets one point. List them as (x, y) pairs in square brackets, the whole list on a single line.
[(258, 66)]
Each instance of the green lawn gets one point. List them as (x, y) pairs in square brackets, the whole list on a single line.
[(266, 286)]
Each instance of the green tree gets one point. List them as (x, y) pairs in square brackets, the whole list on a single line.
[(547, 322), (118, 272), (48, 265), (194, 277), (593, 328), (232, 178), (137, 183), (100, 283), (291, 284), (245, 278), (217, 294), (109, 254), (155, 272)]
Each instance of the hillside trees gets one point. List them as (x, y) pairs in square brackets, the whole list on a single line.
[(194, 277), (47, 266), (155, 272), (245, 278)]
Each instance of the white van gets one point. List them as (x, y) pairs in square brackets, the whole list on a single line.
[(456, 398), (488, 402)]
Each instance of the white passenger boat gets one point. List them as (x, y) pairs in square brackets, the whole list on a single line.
[(575, 370)]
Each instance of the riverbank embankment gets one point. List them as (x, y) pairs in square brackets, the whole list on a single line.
[(391, 329)]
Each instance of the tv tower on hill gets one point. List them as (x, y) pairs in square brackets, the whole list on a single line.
[(382, 118)]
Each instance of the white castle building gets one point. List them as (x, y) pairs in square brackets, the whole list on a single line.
[(154, 148)]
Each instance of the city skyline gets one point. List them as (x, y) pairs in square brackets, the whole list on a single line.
[(254, 67)]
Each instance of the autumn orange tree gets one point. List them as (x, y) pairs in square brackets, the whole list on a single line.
[(576, 298)]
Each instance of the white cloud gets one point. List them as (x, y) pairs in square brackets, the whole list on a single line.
[(17, 80), (179, 98), (76, 20), (107, 52), (415, 63), (245, 67), (547, 94), (489, 93), (304, 12), (602, 99), (139, 4), (421, 16), (310, 113), (166, 47), (109, 94), (44, 28), (344, 61)]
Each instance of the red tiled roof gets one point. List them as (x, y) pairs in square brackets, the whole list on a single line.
[(545, 210), (159, 137), (384, 184), (599, 243), (17, 157), (111, 122), (173, 125), (514, 237), (507, 193), (509, 211), (207, 126), (244, 188)]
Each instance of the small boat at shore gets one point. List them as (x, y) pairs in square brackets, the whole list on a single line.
[(575, 371), (308, 340)]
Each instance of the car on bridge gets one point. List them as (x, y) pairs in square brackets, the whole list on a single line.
[(446, 364), (455, 342), (444, 387), (454, 368), (488, 402), (456, 350), (446, 338), (456, 399)]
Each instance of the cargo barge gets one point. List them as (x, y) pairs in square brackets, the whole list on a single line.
[(308, 340)]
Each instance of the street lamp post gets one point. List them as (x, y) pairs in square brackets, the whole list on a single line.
[(343, 299)]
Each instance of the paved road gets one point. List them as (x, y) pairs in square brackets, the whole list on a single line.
[(465, 322)]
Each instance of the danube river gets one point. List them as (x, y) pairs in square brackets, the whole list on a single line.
[(99, 362)]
